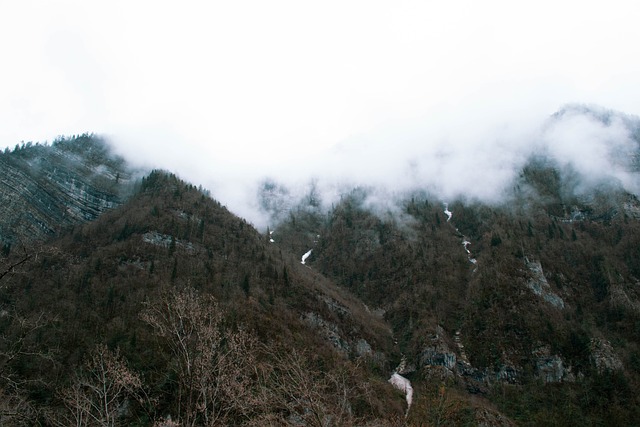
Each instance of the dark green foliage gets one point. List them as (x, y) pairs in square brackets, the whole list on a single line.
[(46, 189), (93, 284), (419, 274), (599, 277), (412, 280), (245, 285), (601, 399)]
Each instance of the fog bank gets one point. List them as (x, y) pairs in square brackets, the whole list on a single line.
[(448, 96)]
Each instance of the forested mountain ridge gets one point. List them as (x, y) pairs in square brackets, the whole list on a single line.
[(44, 188), (533, 302), (182, 310), (524, 312)]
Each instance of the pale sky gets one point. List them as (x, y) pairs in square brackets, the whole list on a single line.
[(222, 91)]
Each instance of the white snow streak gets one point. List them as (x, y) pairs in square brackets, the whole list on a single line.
[(466, 244), (305, 256), (447, 212), (404, 385)]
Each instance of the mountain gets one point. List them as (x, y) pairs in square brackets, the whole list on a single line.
[(523, 312), (46, 188), (531, 302), (536, 311), (179, 308)]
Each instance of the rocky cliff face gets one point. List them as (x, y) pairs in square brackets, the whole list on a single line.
[(44, 188)]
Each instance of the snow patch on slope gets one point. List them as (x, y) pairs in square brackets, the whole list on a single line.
[(465, 244), (305, 256), (447, 212), (404, 385)]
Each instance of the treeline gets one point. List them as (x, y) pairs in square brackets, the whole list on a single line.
[(60, 141), (413, 267), (189, 316), (171, 311)]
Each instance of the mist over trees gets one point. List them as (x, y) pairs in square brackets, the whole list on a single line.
[(169, 310), (113, 324)]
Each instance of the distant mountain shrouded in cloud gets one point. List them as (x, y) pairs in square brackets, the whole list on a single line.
[(446, 97), (594, 145)]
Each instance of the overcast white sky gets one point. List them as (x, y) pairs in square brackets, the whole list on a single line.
[(226, 91)]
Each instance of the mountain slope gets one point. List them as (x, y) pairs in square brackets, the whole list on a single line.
[(45, 188), (101, 283), (521, 312), (520, 302)]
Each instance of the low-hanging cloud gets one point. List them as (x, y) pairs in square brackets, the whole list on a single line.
[(445, 97), (479, 163)]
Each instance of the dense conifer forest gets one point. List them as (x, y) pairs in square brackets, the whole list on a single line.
[(166, 309)]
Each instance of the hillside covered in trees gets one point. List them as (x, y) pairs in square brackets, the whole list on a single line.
[(166, 309)]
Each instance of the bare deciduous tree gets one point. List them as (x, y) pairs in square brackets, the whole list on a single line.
[(16, 410), (14, 261), (301, 394), (215, 365), (10, 266), (100, 392), (18, 342)]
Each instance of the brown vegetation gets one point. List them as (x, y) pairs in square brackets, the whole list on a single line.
[(169, 310)]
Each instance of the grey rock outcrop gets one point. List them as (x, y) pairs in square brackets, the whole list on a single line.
[(540, 286), (438, 352), (550, 368), (440, 360), (330, 331), (603, 356), (44, 188)]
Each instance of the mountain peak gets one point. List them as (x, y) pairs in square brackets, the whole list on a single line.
[(44, 187)]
